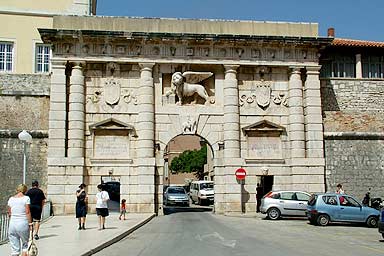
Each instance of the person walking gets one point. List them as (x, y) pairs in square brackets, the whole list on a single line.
[(20, 221), (102, 198), (37, 203), (81, 206), (259, 195), (122, 209)]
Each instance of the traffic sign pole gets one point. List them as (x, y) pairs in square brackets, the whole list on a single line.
[(240, 175)]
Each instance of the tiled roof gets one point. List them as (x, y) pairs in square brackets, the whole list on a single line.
[(356, 43)]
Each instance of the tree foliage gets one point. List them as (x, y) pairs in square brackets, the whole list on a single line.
[(191, 161)]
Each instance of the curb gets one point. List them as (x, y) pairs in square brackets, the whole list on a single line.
[(118, 238)]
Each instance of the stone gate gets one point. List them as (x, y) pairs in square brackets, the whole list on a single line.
[(122, 88)]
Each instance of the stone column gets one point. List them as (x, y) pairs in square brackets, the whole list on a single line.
[(313, 116), (296, 115), (228, 192), (145, 142), (231, 113), (359, 70), (57, 110), (76, 113)]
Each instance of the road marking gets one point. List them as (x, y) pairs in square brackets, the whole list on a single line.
[(217, 237)]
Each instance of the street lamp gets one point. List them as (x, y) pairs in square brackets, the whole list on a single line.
[(26, 138)]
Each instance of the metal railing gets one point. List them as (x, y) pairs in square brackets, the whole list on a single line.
[(4, 222)]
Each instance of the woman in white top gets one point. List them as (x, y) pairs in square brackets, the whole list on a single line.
[(102, 198), (20, 221)]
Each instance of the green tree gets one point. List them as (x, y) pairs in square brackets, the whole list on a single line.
[(191, 162)]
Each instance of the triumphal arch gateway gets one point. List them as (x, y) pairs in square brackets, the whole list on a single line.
[(122, 88)]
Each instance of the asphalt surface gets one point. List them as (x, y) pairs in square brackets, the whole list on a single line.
[(196, 231)]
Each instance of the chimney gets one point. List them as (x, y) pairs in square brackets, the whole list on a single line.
[(331, 32)]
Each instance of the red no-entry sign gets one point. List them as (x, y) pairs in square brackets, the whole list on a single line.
[(240, 174)]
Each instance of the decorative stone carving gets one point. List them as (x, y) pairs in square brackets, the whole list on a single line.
[(129, 96), (186, 84), (112, 69), (189, 126), (95, 98), (263, 93), (173, 50), (280, 98), (85, 49), (239, 52), (255, 53), (190, 51), (112, 91)]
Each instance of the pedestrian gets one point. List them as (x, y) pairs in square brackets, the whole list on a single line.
[(339, 189), (20, 221), (81, 206), (102, 198), (37, 203), (122, 209), (259, 195)]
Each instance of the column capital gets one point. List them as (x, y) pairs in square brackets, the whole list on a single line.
[(313, 70), (146, 66), (231, 68), (295, 69), (58, 64)]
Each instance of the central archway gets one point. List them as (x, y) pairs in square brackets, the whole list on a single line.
[(187, 158)]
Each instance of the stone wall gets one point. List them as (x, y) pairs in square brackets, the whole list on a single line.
[(353, 113), (24, 104), (355, 162), (11, 158)]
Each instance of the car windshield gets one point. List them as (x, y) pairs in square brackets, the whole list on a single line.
[(176, 190), (206, 186)]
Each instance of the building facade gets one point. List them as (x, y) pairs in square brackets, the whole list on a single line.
[(25, 85), (122, 88)]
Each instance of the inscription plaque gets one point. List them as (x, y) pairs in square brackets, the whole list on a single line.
[(264, 147), (111, 147)]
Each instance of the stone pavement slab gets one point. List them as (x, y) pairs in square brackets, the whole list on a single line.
[(59, 235)]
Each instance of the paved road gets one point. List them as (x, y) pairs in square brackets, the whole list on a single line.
[(197, 233)]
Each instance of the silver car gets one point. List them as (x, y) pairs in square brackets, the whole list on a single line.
[(284, 203), (176, 195)]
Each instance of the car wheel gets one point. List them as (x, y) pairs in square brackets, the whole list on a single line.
[(372, 222), (323, 220), (273, 213), (198, 201)]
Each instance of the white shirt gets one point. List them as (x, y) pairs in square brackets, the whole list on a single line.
[(17, 205), (101, 199)]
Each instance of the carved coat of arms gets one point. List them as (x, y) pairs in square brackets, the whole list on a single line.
[(263, 93), (112, 91)]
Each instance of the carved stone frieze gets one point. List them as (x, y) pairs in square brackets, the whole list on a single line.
[(263, 52)]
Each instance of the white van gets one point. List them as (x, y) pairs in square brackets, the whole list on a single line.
[(202, 192)]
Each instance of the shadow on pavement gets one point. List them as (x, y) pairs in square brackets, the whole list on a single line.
[(170, 210)]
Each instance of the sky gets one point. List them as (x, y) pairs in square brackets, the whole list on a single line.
[(352, 19)]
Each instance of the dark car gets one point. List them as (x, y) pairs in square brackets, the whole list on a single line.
[(381, 222), (113, 189)]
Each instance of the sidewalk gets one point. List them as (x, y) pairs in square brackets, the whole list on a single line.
[(59, 235)]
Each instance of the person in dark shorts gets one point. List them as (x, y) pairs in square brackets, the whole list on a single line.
[(81, 206), (37, 202), (102, 198)]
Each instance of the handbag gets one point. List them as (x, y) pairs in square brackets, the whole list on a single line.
[(32, 247)]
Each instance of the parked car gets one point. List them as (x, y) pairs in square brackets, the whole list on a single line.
[(284, 203), (381, 222), (329, 207), (202, 191), (176, 195)]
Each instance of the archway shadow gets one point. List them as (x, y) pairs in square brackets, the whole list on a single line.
[(171, 210)]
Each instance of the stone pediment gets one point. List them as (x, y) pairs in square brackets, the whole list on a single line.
[(112, 124), (263, 126)]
